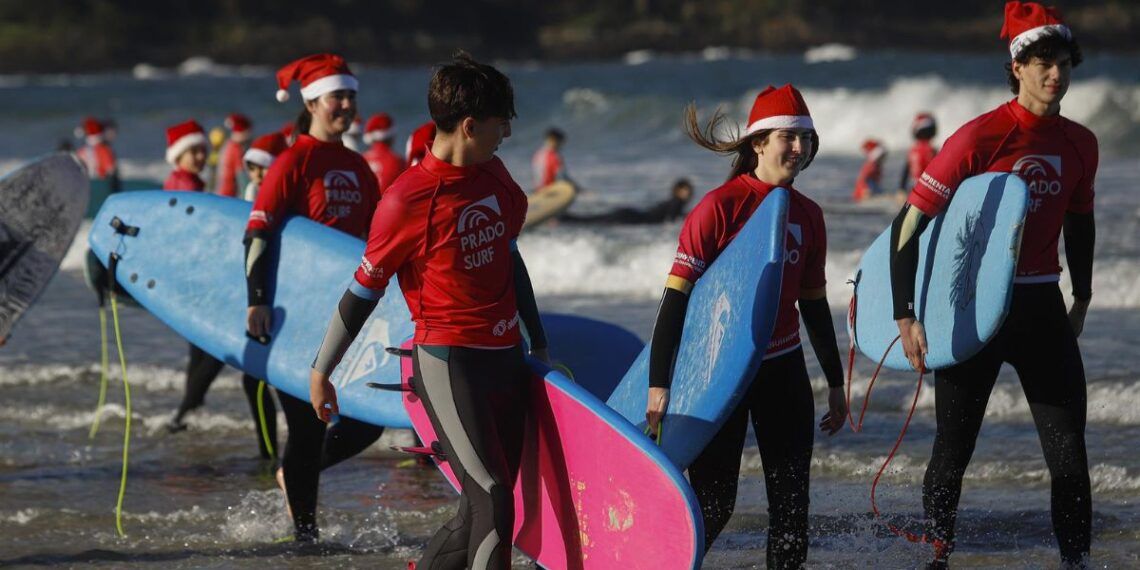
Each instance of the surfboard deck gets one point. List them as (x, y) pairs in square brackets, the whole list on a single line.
[(592, 491), (41, 207), (967, 261), (548, 202), (731, 314)]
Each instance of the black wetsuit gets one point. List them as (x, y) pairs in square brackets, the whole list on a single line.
[(201, 372), (666, 211)]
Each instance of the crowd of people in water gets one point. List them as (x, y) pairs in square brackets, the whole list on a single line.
[(348, 174)]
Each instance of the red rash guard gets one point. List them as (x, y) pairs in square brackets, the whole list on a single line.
[(869, 180), (547, 165), (1056, 158), (385, 164), (919, 157), (447, 233), (323, 181), (99, 158), (722, 213), (228, 164), (182, 180)]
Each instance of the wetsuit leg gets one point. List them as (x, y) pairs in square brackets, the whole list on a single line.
[(201, 372), (346, 438), (476, 400), (961, 393), (715, 472), (1044, 351), (250, 385), (301, 464), (783, 417)]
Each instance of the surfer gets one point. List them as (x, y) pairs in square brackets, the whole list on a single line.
[(447, 228), (666, 211), (385, 163), (418, 143), (780, 142), (547, 161), (260, 156), (230, 157), (1057, 158), (186, 150), (96, 153), (320, 179), (869, 182), (922, 129)]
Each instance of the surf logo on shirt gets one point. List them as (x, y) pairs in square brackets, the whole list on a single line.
[(1042, 174), (504, 325), (480, 224), (722, 311), (342, 192), (792, 255), (971, 242)]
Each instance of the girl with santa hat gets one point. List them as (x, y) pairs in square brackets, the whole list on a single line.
[(780, 141), (386, 164)]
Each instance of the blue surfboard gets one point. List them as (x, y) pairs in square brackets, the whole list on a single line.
[(967, 261), (184, 263), (732, 310)]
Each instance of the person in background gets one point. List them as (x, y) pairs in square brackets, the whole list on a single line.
[(869, 183), (288, 132), (383, 161), (547, 162), (96, 153), (922, 129), (260, 156), (667, 211), (351, 138), (230, 158), (418, 143)]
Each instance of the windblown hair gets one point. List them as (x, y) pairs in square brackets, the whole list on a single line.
[(740, 145)]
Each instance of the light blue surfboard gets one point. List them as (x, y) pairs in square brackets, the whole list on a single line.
[(185, 264), (732, 310), (967, 261)]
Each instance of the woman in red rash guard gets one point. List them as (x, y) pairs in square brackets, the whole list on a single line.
[(1057, 158), (385, 163), (780, 142), (316, 177), (230, 159)]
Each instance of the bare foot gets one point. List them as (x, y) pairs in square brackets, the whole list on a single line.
[(280, 477)]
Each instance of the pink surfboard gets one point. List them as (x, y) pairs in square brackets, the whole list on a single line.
[(593, 492)]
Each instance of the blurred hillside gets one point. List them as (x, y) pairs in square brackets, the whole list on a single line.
[(89, 35)]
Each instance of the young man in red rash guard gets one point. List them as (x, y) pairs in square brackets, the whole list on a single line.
[(547, 162), (96, 153), (923, 129), (385, 163), (316, 177), (1057, 159), (780, 142), (230, 159), (447, 229), (870, 180)]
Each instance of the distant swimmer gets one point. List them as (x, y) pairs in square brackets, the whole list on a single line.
[(418, 143), (666, 211), (923, 129), (385, 163), (230, 158), (96, 153), (869, 183), (547, 163), (1057, 158), (260, 156)]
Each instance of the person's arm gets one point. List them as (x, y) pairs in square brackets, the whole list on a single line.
[(268, 208), (816, 314), (905, 232), (663, 347), (1080, 241), (902, 187), (528, 307)]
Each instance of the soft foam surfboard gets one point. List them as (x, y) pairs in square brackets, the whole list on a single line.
[(548, 202), (41, 206), (967, 261), (592, 491), (732, 310)]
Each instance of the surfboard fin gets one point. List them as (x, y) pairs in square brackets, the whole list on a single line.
[(435, 451), (401, 352), (390, 387)]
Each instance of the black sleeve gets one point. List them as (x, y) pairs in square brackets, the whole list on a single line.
[(528, 307), (905, 176), (821, 332), (666, 337), (349, 317), (256, 267), (1080, 239), (904, 264)]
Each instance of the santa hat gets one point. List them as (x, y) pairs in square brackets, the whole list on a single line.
[(356, 127), (922, 121), (379, 128), (318, 74), (265, 149), (873, 149), (182, 137), (238, 123), (1027, 22), (90, 127), (782, 108), (419, 141)]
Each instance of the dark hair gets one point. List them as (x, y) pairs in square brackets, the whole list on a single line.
[(303, 122), (926, 133), (556, 134), (682, 182), (745, 159), (466, 88), (1049, 47)]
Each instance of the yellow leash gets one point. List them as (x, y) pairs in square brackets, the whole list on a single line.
[(102, 372), (261, 418), (127, 429)]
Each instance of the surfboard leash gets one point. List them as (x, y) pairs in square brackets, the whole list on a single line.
[(112, 264), (103, 366), (261, 418)]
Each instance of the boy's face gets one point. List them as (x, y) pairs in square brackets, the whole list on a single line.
[(486, 135), (256, 172), (193, 159), (1042, 80)]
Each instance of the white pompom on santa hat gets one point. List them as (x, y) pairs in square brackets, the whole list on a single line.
[(378, 128), (782, 108), (318, 74), (182, 137), (265, 149), (1027, 22)]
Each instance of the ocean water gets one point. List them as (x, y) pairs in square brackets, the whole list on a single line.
[(202, 499)]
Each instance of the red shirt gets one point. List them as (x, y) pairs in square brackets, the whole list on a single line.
[(1056, 158), (447, 233), (869, 180), (228, 164), (323, 181), (385, 164), (722, 213), (548, 166), (919, 157), (99, 159), (182, 180)]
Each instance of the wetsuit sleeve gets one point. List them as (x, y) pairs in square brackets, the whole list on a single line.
[(394, 235), (666, 337), (1080, 241), (524, 297), (268, 209), (905, 231), (821, 332), (355, 306), (959, 160), (257, 267)]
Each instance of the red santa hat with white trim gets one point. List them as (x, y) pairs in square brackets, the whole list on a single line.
[(418, 143), (1027, 22), (265, 149), (182, 137), (782, 108), (91, 128), (922, 121), (318, 74), (378, 128), (874, 149), (238, 123)]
